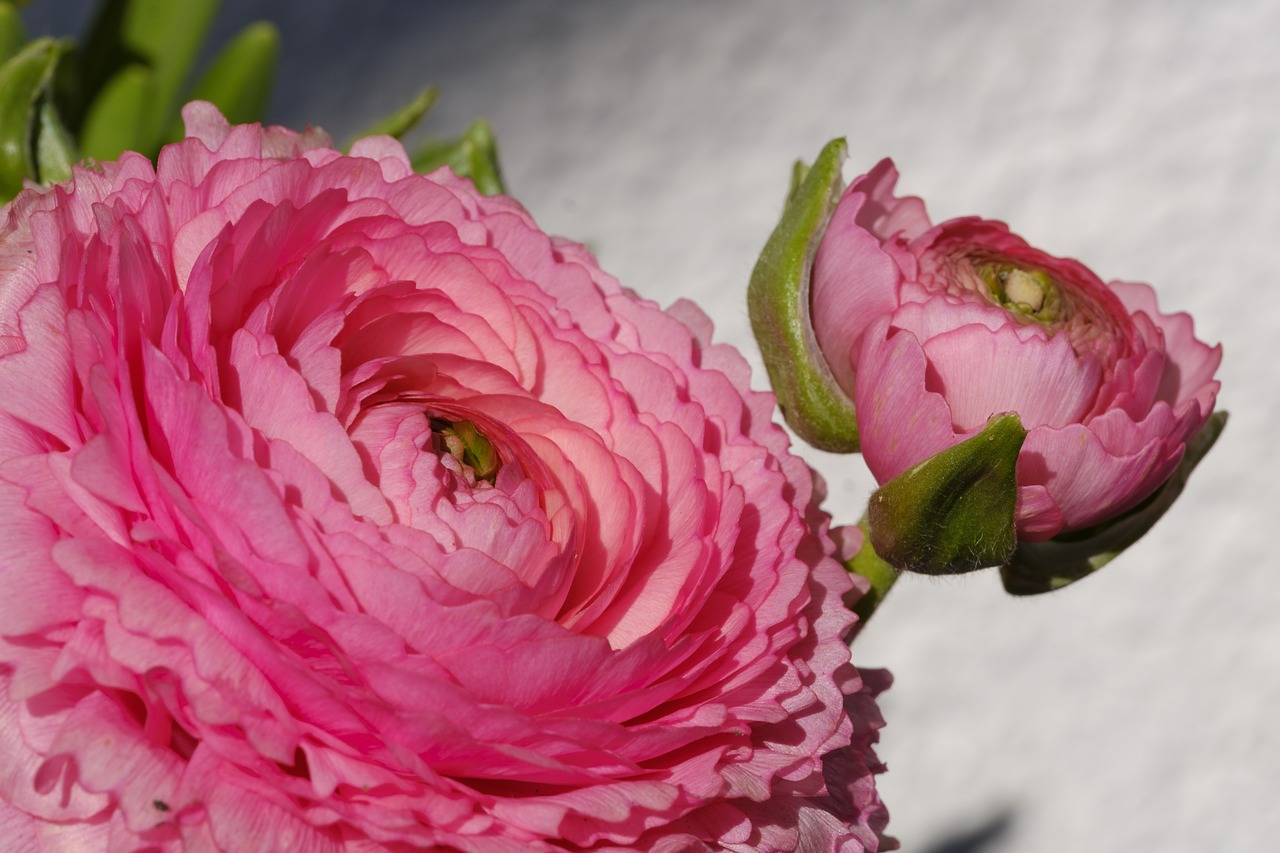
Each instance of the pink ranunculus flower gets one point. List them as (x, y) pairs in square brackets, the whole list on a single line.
[(341, 508), (932, 329)]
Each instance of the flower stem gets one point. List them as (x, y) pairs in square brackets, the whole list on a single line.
[(868, 564)]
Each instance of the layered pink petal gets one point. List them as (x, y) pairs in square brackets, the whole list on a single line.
[(1088, 482), (345, 509)]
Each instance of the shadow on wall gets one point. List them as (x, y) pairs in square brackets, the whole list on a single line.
[(988, 836)]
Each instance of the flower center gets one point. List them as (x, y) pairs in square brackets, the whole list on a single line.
[(461, 440), (1029, 293)]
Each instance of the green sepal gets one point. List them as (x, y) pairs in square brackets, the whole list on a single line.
[(117, 118), (1038, 567), (26, 81), (402, 120), (880, 574), (13, 35), (954, 512), (778, 302), (239, 80), (473, 155)]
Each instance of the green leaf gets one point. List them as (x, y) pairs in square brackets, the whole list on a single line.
[(778, 301), (473, 155), (55, 149), (24, 81), (403, 120), (116, 120), (954, 512), (169, 36), (239, 79), (1038, 567), (13, 35), (165, 36), (102, 55)]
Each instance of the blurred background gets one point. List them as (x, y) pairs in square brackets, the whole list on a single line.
[(1138, 710)]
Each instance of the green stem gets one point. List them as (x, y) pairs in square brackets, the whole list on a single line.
[(868, 564)]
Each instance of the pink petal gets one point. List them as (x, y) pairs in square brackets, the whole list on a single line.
[(982, 373), (884, 215), (852, 283), (1190, 363), (900, 421), (1086, 481), (1038, 515)]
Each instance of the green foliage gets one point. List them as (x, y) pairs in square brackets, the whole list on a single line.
[(239, 79), (879, 574), (122, 89), (12, 34), (473, 155), (28, 123), (117, 118), (404, 119)]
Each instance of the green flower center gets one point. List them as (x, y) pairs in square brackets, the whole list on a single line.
[(1029, 293), (462, 441)]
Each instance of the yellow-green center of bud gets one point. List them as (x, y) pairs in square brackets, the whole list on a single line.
[(462, 441), (1029, 293)]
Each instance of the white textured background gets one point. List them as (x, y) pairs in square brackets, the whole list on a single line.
[(1136, 711)]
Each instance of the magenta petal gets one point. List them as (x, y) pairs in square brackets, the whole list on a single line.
[(883, 214)]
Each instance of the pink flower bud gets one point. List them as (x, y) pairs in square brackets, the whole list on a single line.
[(932, 329)]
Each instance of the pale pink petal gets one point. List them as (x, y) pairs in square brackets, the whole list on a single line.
[(388, 152)]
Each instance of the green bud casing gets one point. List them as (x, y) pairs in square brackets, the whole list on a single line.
[(778, 302)]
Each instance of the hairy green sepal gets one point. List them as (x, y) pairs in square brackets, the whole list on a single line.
[(954, 512)]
